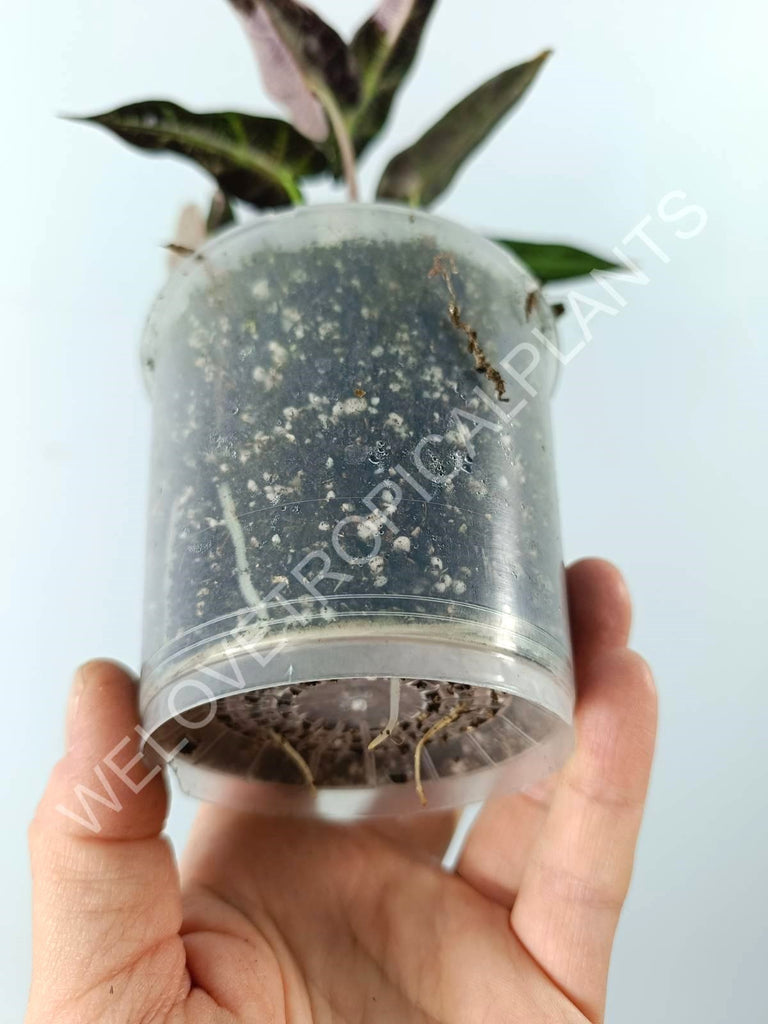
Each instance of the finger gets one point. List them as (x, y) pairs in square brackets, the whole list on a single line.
[(497, 849), (105, 887), (599, 606), (500, 843), (577, 877)]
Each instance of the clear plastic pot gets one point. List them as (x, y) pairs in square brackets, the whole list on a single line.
[(354, 590)]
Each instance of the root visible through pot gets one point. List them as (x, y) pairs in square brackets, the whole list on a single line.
[(445, 267), (362, 732), (296, 757), (444, 722)]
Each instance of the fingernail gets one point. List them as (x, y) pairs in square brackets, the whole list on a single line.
[(75, 693)]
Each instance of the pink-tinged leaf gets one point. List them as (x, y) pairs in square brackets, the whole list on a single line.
[(280, 73), (422, 172), (391, 17), (305, 64), (384, 48)]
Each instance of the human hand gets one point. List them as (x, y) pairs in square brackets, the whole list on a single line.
[(283, 920)]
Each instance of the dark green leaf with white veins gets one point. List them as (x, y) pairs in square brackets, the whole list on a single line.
[(550, 261), (305, 64), (420, 173), (384, 47), (258, 159)]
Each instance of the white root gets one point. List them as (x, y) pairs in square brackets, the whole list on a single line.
[(247, 589), (394, 714)]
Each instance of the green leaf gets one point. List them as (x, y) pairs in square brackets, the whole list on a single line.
[(554, 262), (384, 47), (258, 159), (303, 61), (420, 173)]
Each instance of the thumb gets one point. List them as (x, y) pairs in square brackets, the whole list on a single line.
[(106, 898)]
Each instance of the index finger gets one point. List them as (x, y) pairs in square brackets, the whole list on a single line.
[(578, 874)]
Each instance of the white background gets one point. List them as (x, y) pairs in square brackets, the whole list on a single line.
[(661, 422)]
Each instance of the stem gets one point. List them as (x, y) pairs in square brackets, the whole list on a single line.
[(293, 190), (344, 140)]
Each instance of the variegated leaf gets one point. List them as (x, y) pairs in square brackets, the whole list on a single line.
[(258, 159), (422, 172), (304, 63), (384, 47)]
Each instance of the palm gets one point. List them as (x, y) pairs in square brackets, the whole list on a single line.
[(303, 922), (353, 924)]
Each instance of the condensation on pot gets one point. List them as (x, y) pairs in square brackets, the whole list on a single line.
[(354, 586)]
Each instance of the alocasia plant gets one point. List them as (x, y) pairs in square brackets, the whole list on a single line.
[(338, 97)]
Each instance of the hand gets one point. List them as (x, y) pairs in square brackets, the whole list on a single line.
[(278, 920)]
